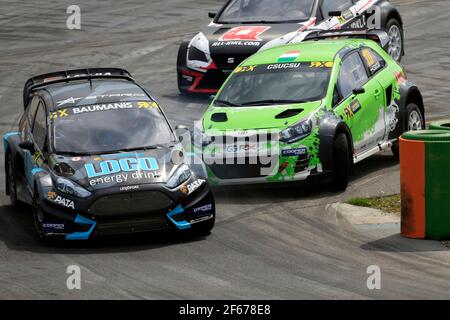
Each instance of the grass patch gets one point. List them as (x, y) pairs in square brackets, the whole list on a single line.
[(388, 204)]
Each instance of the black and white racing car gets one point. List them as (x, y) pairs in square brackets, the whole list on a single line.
[(94, 154), (243, 27)]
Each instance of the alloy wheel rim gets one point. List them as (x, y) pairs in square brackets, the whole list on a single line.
[(415, 121), (12, 183), (395, 42)]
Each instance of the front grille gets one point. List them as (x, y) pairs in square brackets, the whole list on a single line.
[(302, 163), (238, 171), (130, 203), (138, 225), (222, 60)]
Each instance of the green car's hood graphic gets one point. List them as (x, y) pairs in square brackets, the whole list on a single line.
[(248, 118)]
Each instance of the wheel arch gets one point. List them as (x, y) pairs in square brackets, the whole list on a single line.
[(329, 127)]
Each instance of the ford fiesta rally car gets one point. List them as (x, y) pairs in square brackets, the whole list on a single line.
[(95, 155), (244, 27), (313, 109)]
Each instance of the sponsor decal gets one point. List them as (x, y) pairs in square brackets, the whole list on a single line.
[(51, 195), (240, 148), (294, 152), (129, 188), (76, 159), (322, 64), (245, 69), (60, 200), (73, 100), (289, 56), (236, 43), (248, 33), (205, 208), (191, 187), (194, 221), (122, 171), (102, 107), (48, 227), (147, 105), (59, 114), (352, 109), (284, 66)]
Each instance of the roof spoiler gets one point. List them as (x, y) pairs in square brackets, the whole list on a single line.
[(376, 35), (72, 75)]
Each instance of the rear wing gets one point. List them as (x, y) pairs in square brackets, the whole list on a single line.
[(376, 35), (72, 75)]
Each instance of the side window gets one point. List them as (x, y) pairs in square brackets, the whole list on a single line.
[(32, 110), (40, 127), (335, 5), (373, 60), (353, 75)]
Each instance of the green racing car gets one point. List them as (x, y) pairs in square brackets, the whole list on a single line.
[(308, 111)]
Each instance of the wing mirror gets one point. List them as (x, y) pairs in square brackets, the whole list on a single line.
[(212, 15), (335, 13), (27, 145), (358, 91), (181, 131)]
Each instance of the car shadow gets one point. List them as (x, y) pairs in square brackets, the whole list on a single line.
[(398, 243), (267, 193), (17, 233)]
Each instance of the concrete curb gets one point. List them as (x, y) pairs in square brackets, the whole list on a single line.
[(362, 216)]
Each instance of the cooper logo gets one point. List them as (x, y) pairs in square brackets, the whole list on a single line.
[(205, 208), (191, 187), (248, 33), (241, 148)]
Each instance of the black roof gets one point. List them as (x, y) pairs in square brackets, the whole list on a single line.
[(88, 92)]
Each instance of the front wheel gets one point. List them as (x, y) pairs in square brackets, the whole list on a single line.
[(203, 229), (38, 216), (414, 121), (396, 41), (341, 162)]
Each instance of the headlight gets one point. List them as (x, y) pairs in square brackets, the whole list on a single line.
[(181, 175), (296, 132), (71, 188), (200, 139), (197, 55)]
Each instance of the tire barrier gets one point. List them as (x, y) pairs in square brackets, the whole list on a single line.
[(440, 125), (425, 184)]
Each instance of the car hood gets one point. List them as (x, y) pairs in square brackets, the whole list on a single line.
[(252, 118), (119, 169), (245, 39)]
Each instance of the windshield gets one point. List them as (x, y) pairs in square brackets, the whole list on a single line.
[(276, 83), (105, 128), (254, 11)]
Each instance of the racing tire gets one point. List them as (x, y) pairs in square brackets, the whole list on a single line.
[(38, 217), (181, 61), (414, 121), (396, 37), (12, 183), (203, 229), (341, 162)]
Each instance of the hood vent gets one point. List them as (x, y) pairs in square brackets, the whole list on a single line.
[(289, 113), (219, 117)]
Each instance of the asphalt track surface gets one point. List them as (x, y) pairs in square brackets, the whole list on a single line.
[(277, 243)]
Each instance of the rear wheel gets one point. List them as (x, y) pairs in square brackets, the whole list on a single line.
[(12, 182), (414, 121), (395, 32), (341, 162)]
